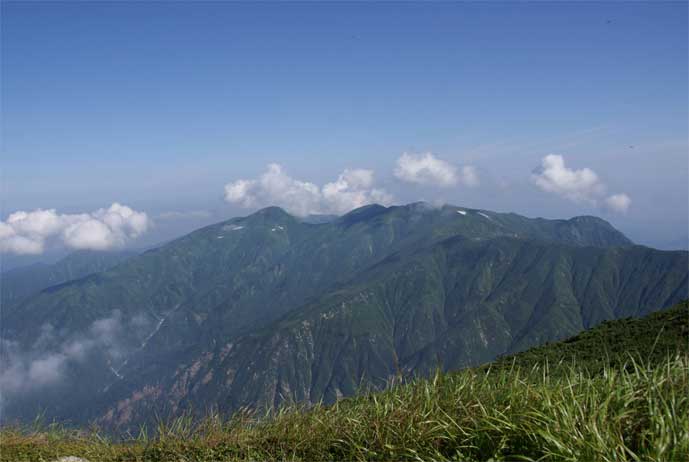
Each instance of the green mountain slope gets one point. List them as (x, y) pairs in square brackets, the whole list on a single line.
[(239, 268), (19, 283), (614, 392), (267, 308), (650, 339), (460, 303)]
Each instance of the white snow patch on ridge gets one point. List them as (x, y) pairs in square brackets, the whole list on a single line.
[(462, 212)]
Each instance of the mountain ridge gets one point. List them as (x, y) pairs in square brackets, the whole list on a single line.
[(410, 278)]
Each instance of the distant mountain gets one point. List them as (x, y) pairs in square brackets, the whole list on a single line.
[(18, 283), (266, 308)]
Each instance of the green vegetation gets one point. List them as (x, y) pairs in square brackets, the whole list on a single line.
[(619, 392), (266, 309), (649, 340), (22, 282)]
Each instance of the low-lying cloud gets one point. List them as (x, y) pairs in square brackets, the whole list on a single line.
[(27, 232), (429, 169), (46, 361), (581, 186), (353, 188)]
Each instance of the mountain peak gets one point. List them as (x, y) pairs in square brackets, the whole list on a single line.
[(271, 214), (272, 211), (600, 229), (589, 219)]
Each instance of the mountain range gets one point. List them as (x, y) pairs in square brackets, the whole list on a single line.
[(268, 308), (18, 283)]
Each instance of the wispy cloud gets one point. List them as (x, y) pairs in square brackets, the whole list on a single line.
[(46, 361), (522, 145)]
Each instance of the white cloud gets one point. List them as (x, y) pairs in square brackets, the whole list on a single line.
[(45, 363), (428, 169), (577, 185), (618, 202), (10, 242), (352, 189), (242, 191), (581, 186), (27, 232), (425, 169), (47, 370)]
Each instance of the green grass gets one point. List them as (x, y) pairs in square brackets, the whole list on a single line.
[(610, 344), (591, 398)]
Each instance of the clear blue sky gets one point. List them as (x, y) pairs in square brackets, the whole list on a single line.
[(159, 105)]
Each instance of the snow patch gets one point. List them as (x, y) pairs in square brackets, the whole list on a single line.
[(484, 215), (232, 228), (462, 212)]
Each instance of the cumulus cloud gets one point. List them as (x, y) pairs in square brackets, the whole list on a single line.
[(429, 169), (581, 186), (27, 232), (576, 185), (425, 169), (353, 188)]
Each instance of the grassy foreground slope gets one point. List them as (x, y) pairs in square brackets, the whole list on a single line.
[(617, 392)]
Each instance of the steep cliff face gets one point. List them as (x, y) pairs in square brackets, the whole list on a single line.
[(257, 310)]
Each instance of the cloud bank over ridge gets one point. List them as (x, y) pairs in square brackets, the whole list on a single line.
[(28, 232), (353, 188), (31, 232)]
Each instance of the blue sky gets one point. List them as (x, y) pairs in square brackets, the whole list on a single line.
[(159, 105)]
